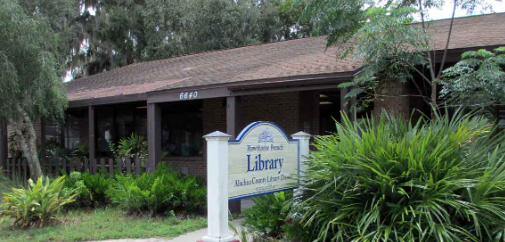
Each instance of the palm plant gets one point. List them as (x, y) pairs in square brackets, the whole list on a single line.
[(80, 150), (387, 180), (134, 147)]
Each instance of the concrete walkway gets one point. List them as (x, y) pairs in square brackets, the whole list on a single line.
[(197, 235)]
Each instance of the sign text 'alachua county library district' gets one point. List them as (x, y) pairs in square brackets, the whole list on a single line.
[(262, 160)]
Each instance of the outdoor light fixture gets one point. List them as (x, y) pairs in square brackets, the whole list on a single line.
[(322, 96), (142, 107), (325, 103)]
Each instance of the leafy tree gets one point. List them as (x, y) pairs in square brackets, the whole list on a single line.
[(120, 32), (30, 80), (140, 30), (390, 46), (280, 20), (290, 12), (477, 81), (117, 38), (220, 24), (340, 19), (269, 22), (163, 24), (70, 20)]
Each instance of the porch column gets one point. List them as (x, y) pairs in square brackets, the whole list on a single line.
[(347, 106), (3, 143), (153, 136), (232, 104), (91, 133)]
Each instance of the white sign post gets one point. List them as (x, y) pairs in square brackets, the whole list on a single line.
[(217, 189), (261, 160)]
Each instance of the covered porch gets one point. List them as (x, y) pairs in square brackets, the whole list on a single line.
[(174, 121)]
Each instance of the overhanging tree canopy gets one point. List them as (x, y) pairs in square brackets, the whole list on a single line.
[(383, 35), (30, 78)]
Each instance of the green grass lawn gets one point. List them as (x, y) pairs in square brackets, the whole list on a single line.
[(100, 224)]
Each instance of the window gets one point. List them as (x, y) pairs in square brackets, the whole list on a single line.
[(119, 121), (182, 129), (68, 135)]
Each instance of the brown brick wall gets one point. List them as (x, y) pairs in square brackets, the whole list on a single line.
[(194, 165), (214, 115), (280, 108)]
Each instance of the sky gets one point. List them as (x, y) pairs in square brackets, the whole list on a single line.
[(446, 11)]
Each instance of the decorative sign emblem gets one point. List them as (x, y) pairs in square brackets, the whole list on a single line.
[(265, 136), (262, 160)]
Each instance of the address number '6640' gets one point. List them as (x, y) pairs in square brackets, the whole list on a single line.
[(188, 95)]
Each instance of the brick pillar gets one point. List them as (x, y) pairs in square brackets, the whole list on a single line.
[(393, 98)]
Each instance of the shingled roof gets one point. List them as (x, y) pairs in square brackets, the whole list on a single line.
[(293, 58)]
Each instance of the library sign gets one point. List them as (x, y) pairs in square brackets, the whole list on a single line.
[(262, 160)]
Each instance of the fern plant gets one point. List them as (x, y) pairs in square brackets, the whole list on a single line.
[(97, 185), (159, 192), (73, 184), (90, 189)]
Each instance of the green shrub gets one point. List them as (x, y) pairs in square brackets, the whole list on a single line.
[(97, 185), (268, 215), (159, 192), (35, 205), (90, 189), (386, 180), (73, 184)]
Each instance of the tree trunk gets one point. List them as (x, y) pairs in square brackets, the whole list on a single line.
[(434, 98), (36, 170), (28, 144), (393, 98)]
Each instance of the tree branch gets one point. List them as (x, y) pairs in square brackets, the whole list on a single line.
[(418, 72), (432, 72), (448, 40)]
